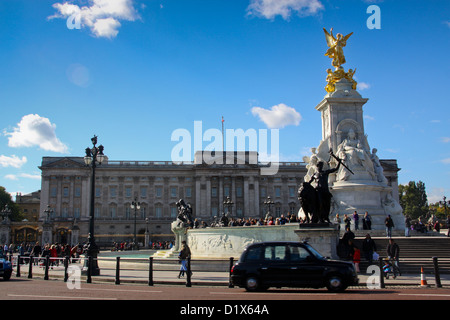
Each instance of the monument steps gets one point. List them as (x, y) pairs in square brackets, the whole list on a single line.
[(415, 252)]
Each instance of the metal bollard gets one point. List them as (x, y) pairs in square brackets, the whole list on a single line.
[(188, 273), (117, 270), (89, 270), (437, 275), (66, 267), (230, 284), (30, 268), (47, 263), (150, 272), (380, 264), (18, 265)]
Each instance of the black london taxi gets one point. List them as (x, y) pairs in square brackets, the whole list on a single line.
[(290, 264)]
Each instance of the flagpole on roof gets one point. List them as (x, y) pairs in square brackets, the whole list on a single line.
[(223, 145)]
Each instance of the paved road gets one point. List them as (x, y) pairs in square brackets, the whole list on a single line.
[(39, 289)]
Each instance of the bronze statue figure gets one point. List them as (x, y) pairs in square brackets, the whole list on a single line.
[(316, 202), (184, 213)]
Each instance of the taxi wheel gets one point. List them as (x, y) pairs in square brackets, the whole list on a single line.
[(335, 283), (252, 284)]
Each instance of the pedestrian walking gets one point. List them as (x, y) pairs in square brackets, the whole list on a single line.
[(185, 253), (356, 258), (393, 253), (389, 223)]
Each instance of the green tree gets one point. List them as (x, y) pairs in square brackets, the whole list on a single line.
[(6, 199), (413, 199)]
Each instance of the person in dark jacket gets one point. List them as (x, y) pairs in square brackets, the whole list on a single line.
[(185, 253), (393, 253), (369, 247)]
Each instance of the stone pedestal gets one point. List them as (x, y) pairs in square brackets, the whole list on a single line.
[(322, 237), (47, 233), (5, 233), (362, 185), (74, 238)]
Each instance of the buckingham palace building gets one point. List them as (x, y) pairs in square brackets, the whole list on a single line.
[(157, 186)]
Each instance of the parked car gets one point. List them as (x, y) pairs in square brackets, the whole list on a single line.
[(290, 264), (5, 268)]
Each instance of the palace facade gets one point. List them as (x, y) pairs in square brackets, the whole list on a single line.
[(158, 185)]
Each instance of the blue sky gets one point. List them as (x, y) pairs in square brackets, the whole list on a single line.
[(136, 71)]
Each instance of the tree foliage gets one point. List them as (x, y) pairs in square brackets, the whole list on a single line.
[(6, 199), (413, 199)]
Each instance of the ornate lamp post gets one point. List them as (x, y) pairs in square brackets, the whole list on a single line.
[(136, 206), (268, 203), (229, 205), (147, 235), (5, 230), (444, 203), (94, 156), (6, 213)]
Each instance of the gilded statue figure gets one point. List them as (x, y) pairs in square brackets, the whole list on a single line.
[(335, 45)]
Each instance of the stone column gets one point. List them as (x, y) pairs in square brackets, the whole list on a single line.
[(246, 198)]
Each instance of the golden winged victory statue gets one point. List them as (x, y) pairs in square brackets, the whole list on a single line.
[(336, 53)]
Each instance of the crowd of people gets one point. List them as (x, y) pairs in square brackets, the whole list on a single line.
[(56, 251), (348, 250), (269, 220), (155, 245)]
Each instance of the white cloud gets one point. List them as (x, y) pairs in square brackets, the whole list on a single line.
[(23, 175), (446, 161), (279, 116), (13, 161), (30, 176), (34, 130), (270, 8), (435, 195), (363, 86), (101, 17), (445, 139), (367, 117)]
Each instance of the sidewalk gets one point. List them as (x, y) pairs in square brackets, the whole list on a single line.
[(138, 273)]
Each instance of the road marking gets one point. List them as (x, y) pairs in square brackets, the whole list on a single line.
[(273, 292), (120, 290), (56, 297), (424, 294)]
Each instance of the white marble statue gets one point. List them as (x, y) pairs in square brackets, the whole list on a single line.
[(377, 167), (355, 156)]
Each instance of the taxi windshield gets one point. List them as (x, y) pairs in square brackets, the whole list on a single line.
[(315, 252)]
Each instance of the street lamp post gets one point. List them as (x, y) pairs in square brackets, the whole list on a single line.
[(136, 206), (147, 236), (94, 156), (445, 204), (6, 213)]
